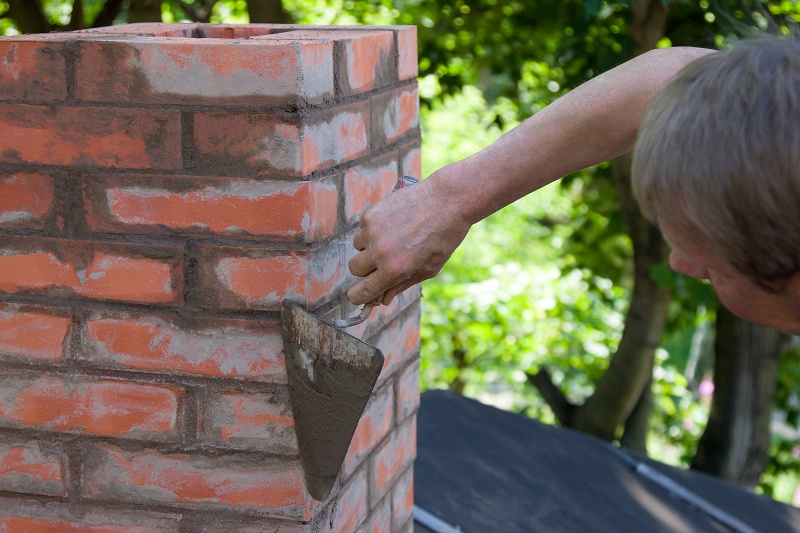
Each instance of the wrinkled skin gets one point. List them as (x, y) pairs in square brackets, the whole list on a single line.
[(408, 236), (694, 256), (404, 239)]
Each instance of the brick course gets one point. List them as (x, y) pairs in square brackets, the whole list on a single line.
[(26, 199), (163, 187), (33, 468), (243, 208), (21, 515), (170, 344), (89, 406), (16, 325)]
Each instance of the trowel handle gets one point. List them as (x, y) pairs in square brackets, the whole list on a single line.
[(402, 183)]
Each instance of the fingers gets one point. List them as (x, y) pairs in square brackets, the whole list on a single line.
[(394, 291), (366, 290), (362, 264), (361, 240), (377, 285)]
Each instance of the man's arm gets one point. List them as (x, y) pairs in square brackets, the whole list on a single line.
[(408, 236)]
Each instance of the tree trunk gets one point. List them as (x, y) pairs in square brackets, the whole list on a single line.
[(144, 11), (266, 11), (107, 15), (631, 367), (637, 426), (620, 391), (735, 444), (76, 18), (28, 15)]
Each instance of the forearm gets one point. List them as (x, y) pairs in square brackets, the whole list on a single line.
[(593, 123)]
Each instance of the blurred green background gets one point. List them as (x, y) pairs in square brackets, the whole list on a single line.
[(546, 283)]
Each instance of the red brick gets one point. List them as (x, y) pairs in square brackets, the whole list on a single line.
[(236, 207), (26, 199), (104, 137), (411, 161), (88, 406), (32, 468), (176, 70), (399, 342), (366, 184), (261, 422), (212, 524), (246, 143), (246, 31), (16, 325), (374, 425), (267, 486), (364, 58), (403, 499), (64, 268), (394, 114), (408, 527), (350, 508), (408, 67), (219, 348), (249, 143), (32, 71), (149, 29), (25, 516), (379, 520), (247, 278), (408, 392), (394, 456), (232, 31), (339, 137)]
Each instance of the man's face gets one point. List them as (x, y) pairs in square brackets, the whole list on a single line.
[(741, 296)]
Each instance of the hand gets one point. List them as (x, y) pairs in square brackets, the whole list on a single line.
[(404, 239)]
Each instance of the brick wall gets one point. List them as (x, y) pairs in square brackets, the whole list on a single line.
[(162, 189)]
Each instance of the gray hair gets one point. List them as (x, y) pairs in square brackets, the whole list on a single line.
[(718, 156)]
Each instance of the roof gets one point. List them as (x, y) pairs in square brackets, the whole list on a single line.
[(483, 470)]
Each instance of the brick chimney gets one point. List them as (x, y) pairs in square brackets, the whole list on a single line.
[(163, 188)]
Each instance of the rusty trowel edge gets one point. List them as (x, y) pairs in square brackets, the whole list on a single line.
[(328, 391)]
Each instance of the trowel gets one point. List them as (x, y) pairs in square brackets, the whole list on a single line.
[(331, 377)]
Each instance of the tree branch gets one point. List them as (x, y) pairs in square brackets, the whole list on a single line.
[(634, 437), (144, 11), (562, 408), (28, 15), (107, 15), (266, 11), (76, 17), (631, 367), (201, 14)]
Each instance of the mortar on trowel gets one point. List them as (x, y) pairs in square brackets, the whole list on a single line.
[(331, 376)]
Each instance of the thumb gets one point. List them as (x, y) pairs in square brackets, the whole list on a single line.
[(366, 290), (397, 289)]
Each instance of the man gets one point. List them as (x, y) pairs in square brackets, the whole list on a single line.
[(408, 236)]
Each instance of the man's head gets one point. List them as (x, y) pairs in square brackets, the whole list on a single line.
[(717, 163)]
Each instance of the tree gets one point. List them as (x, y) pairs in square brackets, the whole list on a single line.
[(31, 16), (266, 11), (595, 376), (623, 386), (478, 43), (735, 445)]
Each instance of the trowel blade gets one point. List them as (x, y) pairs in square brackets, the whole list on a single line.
[(331, 377)]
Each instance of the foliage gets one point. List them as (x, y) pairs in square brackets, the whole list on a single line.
[(782, 476), (502, 300), (588, 241), (547, 279)]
